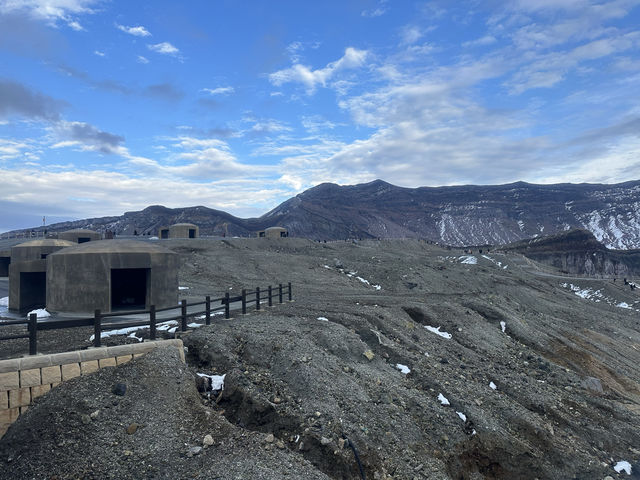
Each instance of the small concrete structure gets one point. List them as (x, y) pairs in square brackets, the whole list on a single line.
[(79, 235), (27, 272), (112, 275), (179, 230), (5, 260), (273, 232)]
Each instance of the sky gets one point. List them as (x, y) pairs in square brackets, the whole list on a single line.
[(112, 106)]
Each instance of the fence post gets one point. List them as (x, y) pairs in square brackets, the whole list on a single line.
[(183, 315), (244, 301), (270, 299), (290, 297), (152, 322), (97, 328), (33, 334), (207, 308), (227, 313), (257, 298), (280, 293)]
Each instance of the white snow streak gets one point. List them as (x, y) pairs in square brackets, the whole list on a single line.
[(623, 465), (403, 368), (437, 331), (443, 400)]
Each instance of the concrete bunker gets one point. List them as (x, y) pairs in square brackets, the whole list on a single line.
[(112, 275), (79, 235), (273, 232), (179, 230), (27, 273)]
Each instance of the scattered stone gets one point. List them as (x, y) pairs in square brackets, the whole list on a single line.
[(277, 400), (325, 440), (85, 419), (119, 389), (346, 369), (133, 428), (341, 443), (128, 453), (592, 384), (269, 438), (280, 444), (208, 440), (194, 451), (95, 414)]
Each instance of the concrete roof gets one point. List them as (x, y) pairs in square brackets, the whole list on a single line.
[(184, 225), (46, 242), (79, 230), (114, 246)]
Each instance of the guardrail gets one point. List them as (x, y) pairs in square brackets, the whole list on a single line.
[(245, 299)]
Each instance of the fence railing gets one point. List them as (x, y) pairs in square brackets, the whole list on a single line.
[(100, 321)]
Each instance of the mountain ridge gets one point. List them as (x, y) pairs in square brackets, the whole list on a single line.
[(453, 215)]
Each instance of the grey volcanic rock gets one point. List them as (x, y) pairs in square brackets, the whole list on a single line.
[(457, 215), (579, 252)]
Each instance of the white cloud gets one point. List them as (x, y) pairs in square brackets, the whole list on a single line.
[(143, 60), (219, 90), (98, 53), (482, 41), (377, 11), (410, 34), (164, 48), (311, 79), (75, 25), (51, 10), (138, 31)]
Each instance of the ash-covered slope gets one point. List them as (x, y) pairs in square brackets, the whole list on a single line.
[(459, 215), (465, 215)]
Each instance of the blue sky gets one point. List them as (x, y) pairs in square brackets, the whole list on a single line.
[(112, 106)]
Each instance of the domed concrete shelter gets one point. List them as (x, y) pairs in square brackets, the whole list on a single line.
[(27, 272), (112, 275), (179, 230), (79, 235), (273, 232)]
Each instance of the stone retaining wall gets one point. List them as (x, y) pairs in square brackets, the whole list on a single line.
[(22, 380)]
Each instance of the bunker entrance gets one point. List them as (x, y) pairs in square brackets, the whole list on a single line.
[(129, 287), (192, 233), (164, 233), (83, 239), (4, 266), (33, 290)]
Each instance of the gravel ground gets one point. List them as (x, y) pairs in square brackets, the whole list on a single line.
[(350, 363)]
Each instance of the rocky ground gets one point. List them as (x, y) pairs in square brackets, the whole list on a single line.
[(521, 374)]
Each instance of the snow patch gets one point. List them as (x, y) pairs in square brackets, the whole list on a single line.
[(217, 381), (492, 386), (462, 416), (624, 305), (623, 465), (183, 288), (4, 302), (503, 326), (443, 400), (469, 259), (323, 319), (194, 325), (437, 331), (403, 368), (40, 312)]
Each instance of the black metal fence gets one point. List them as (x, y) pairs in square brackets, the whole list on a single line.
[(100, 321)]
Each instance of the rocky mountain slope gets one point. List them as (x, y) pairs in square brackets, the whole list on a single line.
[(579, 252), (432, 363), (458, 215)]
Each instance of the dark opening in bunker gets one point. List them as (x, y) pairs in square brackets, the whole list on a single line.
[(164, 233), (129, 288), (33, 290), (4, 266), (83, 239), (192, 233)]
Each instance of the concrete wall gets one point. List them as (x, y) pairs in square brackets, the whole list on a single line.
[(79, 279), (79, 236), (22, 380), (182, 230), (273, 232)]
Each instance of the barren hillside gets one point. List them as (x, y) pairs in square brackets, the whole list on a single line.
[(431, 363)]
